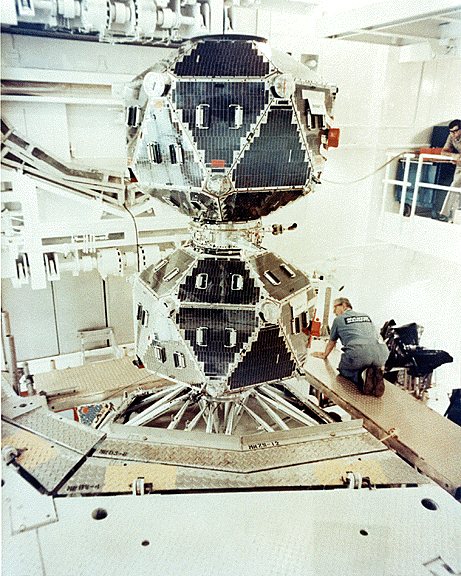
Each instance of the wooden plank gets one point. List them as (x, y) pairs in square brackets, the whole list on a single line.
[(420, 435)]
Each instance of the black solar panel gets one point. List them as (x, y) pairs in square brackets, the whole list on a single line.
[(251, 205), (219, 280), (223, 57), (214, 351), (275, 158), (219, 114), (268, 360)]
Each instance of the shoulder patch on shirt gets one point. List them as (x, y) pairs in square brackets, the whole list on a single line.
[(356, 319)]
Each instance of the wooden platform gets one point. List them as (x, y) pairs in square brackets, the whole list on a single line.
[(423, 437)]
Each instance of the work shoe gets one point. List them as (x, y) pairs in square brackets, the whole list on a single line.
[(368, 380), (360, 380), (373, 381), (378, 387)]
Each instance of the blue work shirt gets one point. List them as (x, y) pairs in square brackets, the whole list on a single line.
[(354, 327)]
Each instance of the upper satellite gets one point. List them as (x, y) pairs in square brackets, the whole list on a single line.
[(229, 130)]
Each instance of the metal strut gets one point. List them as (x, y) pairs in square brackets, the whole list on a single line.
[(265, 406)]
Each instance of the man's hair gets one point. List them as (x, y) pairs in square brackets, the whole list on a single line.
[(344, 301), (454, 123)]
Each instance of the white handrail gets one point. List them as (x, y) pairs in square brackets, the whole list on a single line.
[(405, 183)]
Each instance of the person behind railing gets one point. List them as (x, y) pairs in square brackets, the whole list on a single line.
[(452, 148)]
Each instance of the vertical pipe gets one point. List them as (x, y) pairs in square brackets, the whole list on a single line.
[(30, 388), (6, 328), (405, 183), (417, 179), (10, 352), (12, 364)]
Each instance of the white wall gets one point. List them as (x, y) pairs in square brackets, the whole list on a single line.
[(334, 219)]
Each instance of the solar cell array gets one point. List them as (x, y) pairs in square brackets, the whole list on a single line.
[(227, 111), (209, 330), (275, 158), (268, 360), (250, 205), (223, 57), (223, 118), (206, 318), (219, 281), (223, 145)]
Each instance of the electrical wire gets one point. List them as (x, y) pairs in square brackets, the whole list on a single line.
[(137, 237), (363, 177)]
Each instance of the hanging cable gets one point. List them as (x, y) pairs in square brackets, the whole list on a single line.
[(363, 177)]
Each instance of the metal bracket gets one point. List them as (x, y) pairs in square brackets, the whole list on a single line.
[(138, 487), (17, 406), (438, 567), (354, 480)]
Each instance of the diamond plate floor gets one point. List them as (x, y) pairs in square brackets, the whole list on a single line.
[(171, 502), (240, 461), (93, 382), (103, 476), (316, 455), (45, 461)]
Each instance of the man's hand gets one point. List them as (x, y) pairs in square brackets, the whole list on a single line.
[(455, 157), (328, 348), (321, 355)]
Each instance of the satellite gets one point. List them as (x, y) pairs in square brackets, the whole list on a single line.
[(227, 132)]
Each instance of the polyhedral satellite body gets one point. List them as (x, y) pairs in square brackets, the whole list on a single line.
[(227, 132)]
